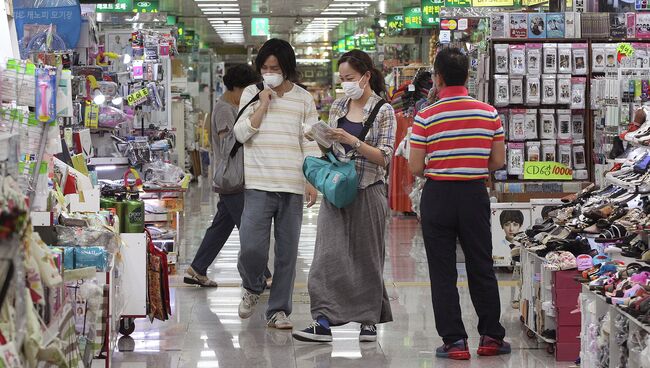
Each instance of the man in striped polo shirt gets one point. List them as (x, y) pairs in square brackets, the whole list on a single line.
[(455, 144)]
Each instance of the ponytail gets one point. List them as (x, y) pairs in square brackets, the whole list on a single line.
[(362, 63), (377, 81)]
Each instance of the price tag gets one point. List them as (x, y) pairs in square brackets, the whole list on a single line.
[(91, 115), (546, 170), (138, 97)]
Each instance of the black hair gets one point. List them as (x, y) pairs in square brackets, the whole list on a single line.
[(515, 216), (452, 65), (240, 75), (362, 63), (283, 51), (546, 210)]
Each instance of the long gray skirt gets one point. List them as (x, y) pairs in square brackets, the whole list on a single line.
[(346, 281)]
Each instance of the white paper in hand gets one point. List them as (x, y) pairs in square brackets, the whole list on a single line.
[(319, 132)]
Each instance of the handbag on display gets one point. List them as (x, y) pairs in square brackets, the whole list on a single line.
[(229, 172), (337, 180)]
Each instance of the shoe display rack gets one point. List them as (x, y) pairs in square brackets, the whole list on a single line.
[(611, 337), (548, 305)]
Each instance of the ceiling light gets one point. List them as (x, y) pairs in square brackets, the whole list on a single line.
[(218, 5), (357, 5), (215, 1), (327, 12)]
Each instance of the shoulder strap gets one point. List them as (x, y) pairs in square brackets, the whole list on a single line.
[(371, 120), (260, 87)]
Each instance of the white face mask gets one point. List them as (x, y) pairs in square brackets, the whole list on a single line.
[(272, 79), (352, 89)]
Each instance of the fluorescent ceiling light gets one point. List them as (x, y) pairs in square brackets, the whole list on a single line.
[(220, 13), (216, 1), (323, 61), (327, 12), (229, 19), (234, 5), (357, 5)]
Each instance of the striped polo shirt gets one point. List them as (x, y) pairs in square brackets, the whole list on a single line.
[(457, 132), (274, 153)]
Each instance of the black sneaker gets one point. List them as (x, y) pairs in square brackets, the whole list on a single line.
[(368, 333), (314, 333)]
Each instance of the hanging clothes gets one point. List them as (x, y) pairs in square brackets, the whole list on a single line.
[(401, 179)]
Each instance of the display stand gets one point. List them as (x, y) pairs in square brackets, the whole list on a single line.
[(135, 290), (548, 302), (594, 309)]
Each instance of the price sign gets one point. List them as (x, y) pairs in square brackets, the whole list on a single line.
[(138, 97), (431, 12), (458, 3), (546, 170), (625, 48), (413, 17)]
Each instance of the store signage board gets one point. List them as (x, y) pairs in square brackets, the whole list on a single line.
[(431, 12), (341, 45), (138, 97), (458, 3), (413, 17), (145, 6), (67, 20), (260, 27), (120, 6), (349, 43), (395, 22), (492, 3), (368, 43), (546, 170)]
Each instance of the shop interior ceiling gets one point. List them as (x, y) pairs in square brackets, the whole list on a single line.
[(301, 21)]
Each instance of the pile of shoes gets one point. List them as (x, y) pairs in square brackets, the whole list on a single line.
[(625, 286)]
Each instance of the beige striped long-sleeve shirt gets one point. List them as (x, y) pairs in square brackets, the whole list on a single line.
[(274, 153)]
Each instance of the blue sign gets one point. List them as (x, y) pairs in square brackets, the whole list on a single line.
[(67, 20)]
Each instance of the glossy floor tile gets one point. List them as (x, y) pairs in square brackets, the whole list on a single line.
[(205, 330)]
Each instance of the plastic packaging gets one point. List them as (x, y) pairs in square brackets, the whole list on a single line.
[(564, 124), (501, 55), (564, 58), (549, 88), (517, 59), (85, 237), (46, 94), (550, 58), (534, 58), (163, 173), (516, 158), (564, 89), (517, 125), (547, 125), (111, 117), (533, 151), (580, 58), (578, 92), (531, 124), (516, 90), (81, 257), (501, 90), (533, 90)]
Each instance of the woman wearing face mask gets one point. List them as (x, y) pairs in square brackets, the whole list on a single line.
[(346, 277)]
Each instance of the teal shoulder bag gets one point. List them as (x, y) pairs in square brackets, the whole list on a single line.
[(337, 180)]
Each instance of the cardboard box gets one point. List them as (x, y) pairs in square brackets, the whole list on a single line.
[(566, 318), (567, 352)]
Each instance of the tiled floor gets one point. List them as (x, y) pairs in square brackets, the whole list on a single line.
[(205, 330)]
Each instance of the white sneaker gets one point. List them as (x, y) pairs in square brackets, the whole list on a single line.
[(247, 304), (280, 321)]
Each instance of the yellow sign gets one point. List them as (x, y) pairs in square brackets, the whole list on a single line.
[(546, 170), (494, 3), (625, 49), (91, 115), (533, 2), (138, 97)]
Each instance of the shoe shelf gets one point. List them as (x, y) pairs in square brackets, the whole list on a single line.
[(548, 302), (610, 336)]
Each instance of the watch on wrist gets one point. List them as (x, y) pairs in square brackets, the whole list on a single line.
[(357, 144)]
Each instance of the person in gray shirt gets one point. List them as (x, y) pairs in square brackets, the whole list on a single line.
[(230, 206)]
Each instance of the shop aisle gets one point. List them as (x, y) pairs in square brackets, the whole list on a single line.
[(205, 330)]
